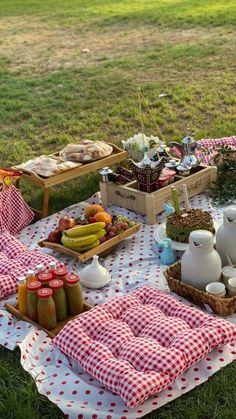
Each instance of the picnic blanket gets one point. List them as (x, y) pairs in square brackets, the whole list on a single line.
[(132, 265)]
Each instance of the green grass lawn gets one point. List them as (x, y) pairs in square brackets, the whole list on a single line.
[(53, 93)]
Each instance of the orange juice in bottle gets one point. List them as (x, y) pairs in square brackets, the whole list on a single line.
[(22, 294), (31, 276)]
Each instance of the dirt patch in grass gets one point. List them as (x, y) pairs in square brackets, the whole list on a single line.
[(39, 48)]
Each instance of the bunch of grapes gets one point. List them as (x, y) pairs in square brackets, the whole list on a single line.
[(119, 224), (81, 222)]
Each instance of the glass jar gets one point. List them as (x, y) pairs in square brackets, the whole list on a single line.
[(44, 278), (47, 317), (32, 299), (74, 294), (60, 273), (59, 297)]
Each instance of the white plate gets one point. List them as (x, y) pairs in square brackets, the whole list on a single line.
[(160, 235)]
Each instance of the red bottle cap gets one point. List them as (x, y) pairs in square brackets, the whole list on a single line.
[(56, 284), (44, 293), (33, 286), (44, 277), (72, 278), (60, 272)]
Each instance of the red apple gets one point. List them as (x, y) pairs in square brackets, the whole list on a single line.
[(65, 223), (55, 236)]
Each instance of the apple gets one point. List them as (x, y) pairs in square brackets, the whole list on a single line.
[(65, 223), (55, 236)]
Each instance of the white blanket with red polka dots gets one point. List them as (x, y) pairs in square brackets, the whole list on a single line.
[(133, 264)]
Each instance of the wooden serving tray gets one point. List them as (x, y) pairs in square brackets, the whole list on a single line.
[(53, 332), (102, 249), (80, 169)]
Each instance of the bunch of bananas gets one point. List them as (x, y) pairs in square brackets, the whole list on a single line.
[(83, 237)]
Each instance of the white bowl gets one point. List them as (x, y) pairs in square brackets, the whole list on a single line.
[(216, 288)]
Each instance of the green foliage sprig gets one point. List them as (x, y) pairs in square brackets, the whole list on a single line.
[(224, 189)]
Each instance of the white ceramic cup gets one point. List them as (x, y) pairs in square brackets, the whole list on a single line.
[(232, 286), (216, 288), (227, 273)]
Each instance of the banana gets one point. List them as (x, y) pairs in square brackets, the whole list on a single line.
[(79, 241), (86, 248), (85, 230), (73, 243)]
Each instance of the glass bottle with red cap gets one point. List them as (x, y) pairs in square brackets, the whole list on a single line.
[(74, 294), (60, 273), (39, 269), (59, 297), (32, 299), (52, 266), (47, 317), (44, 278)]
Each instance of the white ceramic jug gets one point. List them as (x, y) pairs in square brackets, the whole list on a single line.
[(226, 236), (200, 264)]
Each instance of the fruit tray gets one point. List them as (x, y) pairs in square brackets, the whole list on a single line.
[(102, 249), (222, 306), (53, 332)]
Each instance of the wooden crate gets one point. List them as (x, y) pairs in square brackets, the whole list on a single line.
[(46, 183), (128, 196), (53, 332), (102, 249)]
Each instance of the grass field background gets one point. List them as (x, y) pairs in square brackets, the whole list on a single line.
[(53, 93)]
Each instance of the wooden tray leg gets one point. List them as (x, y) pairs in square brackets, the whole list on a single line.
[(45, 202)]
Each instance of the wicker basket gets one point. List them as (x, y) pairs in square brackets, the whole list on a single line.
[(222, 306)]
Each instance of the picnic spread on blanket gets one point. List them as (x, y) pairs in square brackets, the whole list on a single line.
[(124, 302)]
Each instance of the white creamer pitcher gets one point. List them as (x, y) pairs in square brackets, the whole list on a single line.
[(226, 236), (200, 264)]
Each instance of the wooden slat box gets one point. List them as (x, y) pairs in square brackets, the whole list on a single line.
[(128, 196)]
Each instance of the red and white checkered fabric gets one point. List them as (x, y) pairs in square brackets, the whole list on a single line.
[(15, 214), (213, 144), (15, 260), (137, 344)]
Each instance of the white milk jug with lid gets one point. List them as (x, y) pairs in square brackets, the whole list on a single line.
[(226, 236), (200, 264)]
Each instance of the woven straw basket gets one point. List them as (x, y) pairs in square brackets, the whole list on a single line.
[(222, 306)]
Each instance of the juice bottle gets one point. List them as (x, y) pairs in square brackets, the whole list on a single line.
[(39, 269), (46, 309), (52, 267), (60, 273), (22, 294), (31, 276), (74, 294), (59, 297), (32, 300), (44, 278)]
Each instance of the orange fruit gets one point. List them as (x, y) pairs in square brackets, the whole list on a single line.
[(103, 216), (92, 209)]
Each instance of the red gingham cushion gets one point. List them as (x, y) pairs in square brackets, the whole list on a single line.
[(15, 214), (137, 344), (15, 260), (7, 286)]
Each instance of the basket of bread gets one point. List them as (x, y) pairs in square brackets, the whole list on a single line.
[(86, 151)]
